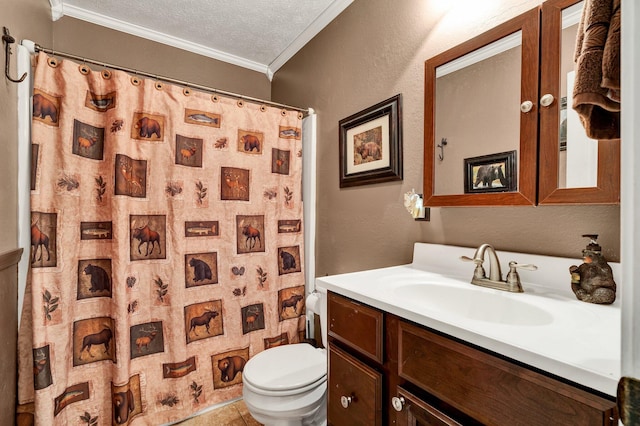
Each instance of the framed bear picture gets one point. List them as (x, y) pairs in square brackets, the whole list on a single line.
[(371, 144), (490, 173)]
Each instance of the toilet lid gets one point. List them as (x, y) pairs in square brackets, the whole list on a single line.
[(286, 367)]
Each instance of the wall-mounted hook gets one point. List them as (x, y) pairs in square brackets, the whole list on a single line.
[(442, 144), (8, 40)]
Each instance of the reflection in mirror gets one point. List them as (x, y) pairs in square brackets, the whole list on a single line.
[(578, 156), (572, 168), (477, 112)]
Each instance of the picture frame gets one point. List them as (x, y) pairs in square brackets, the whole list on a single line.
[(371, 144), (491, 173)]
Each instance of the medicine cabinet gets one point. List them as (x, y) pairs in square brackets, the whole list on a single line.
[(573, 168), (496, 119)]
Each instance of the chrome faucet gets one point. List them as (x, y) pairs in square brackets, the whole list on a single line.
[(512, 282)]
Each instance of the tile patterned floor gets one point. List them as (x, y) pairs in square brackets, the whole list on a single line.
[(234, 414)]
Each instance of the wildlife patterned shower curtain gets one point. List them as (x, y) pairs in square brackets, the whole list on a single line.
[(167, 246)]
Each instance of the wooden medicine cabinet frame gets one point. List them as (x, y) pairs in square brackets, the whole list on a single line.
[(538, 152), (529, 24), (607, 190)]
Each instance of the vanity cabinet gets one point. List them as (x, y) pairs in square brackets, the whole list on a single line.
[(387, 370)]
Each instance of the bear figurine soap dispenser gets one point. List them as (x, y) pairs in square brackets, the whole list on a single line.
[(592, 281)]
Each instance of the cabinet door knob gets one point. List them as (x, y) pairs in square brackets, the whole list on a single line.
[(398, 403), (546, 100), (346, 401), (526, 106)]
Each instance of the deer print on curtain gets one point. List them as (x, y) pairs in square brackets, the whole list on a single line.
[(167, 246)]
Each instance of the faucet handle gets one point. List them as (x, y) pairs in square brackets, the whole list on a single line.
[(479, 271), (513, 278), (528, 267)]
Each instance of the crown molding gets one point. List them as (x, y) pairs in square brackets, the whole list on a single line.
[(60, 9), (56, 9), (328, 15), (495, 48), (149, 34), (571, 15)]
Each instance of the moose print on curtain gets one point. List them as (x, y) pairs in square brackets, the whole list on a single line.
[(167, 246)]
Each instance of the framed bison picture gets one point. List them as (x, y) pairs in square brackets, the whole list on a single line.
[(491, 173), (371, 144)]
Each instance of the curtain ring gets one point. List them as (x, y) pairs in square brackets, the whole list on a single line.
[(186, 91), (215, 98), (84, 69), (135, 80), (263, 108), (106, 74), (53, 62), (240, 103), (283, 112), (158, 85), (300, 116)]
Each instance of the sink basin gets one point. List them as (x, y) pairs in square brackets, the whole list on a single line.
[(474, 303)]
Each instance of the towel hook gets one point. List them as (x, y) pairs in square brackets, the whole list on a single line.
[(8, 40), (442, 144)]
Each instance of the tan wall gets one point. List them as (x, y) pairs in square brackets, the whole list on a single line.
[(99, 43), (372, 51)]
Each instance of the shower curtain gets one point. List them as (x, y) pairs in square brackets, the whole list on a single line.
[(166, 246)]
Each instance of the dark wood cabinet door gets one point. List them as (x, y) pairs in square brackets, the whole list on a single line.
[(557, 58), (356, 325), (355, 391), (412, 411), (493, 390), (528, 26)]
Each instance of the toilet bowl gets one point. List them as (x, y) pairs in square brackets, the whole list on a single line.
[(287, 385)]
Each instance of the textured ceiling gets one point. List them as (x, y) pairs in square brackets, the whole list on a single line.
[(257, 34)]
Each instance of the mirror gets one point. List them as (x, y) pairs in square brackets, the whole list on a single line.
[(482, 90), (573, 168), (480, 146), (578, 154)]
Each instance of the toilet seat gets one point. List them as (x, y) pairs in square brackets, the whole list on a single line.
[(286, 370)]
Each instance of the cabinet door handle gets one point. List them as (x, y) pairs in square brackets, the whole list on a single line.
[(526, 106), (398, 403), (546, 100), (346, 401)]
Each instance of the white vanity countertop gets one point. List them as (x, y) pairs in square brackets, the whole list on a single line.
[(572, 339)]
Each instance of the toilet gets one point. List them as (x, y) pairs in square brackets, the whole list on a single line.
[(287, 385)]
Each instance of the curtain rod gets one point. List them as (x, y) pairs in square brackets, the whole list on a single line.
[(39, 48)]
